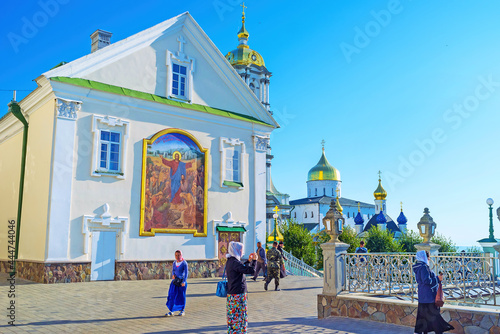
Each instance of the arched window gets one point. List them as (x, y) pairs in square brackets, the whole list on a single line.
[(312, 215), (348, 215), (324, 191), (315, 191), (333, 193), (305, 215), (295, 215), (252, 87)]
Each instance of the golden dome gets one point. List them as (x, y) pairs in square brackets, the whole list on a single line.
[(380, 192), (243, 55), (323, 171), (279, 236)]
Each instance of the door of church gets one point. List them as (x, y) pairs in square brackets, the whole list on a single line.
[(103, 255), (224, 239)]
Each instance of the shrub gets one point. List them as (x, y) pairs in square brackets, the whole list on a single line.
[(381, 241), (446, 244), (408, 241), (299, 241)]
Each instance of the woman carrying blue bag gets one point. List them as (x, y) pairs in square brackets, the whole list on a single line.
[(176, 300), (236, 305)]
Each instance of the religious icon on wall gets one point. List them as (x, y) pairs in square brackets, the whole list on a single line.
[(174, 192)]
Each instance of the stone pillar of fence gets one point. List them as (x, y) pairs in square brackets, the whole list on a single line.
[(333, 266), (427, 228)]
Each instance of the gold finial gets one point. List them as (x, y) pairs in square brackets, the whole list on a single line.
[(379, 177), (339, 207), (276, 209), (243, 14), (401, 206), (323, 145), (359, 210)]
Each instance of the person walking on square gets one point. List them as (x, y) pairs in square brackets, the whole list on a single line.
[(261, 261), (236, 303), (281, 245), (176, 300), (275, 261), (429, 318)]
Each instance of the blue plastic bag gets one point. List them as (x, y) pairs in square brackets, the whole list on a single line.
[(222, 286)]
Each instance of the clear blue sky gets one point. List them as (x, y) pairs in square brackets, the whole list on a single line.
[(375, 87)]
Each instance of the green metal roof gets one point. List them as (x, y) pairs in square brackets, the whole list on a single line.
[(156, 98), (231, 229)]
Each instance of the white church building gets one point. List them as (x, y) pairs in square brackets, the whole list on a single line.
[(142, 147)]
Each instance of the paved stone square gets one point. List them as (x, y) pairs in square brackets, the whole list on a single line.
[(139, 307)]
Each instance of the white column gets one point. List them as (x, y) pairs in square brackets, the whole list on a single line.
[(259, 188), (62, 179), (333, 267)]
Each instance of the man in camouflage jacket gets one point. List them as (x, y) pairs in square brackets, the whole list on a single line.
[(274, 263)]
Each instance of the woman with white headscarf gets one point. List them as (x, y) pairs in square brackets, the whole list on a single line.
[(236, 305), (429, 318)]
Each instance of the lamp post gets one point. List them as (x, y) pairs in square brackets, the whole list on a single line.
[(333, 221), (490, 202), (427, 228), (489, 243), (275, 216)]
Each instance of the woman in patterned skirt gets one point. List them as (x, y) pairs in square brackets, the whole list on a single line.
[(237, 317)]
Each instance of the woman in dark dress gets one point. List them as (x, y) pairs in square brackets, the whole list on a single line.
[(176, 300), (429, 318), (236, 306), (282, 269)]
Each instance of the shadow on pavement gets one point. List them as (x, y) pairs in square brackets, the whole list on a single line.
[(70, 322)]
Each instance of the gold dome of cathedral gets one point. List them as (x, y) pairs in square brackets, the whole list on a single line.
[(323, 171)]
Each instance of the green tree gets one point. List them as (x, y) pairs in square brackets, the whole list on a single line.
[(320, 238), (381, 241), (350, 237), (446, 244), (408, 241), (299, 241)]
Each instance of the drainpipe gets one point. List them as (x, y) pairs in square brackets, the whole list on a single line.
[(15, 109)]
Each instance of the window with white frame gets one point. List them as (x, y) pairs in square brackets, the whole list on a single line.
[(180, 69), (232, 164), (109, 154), (110, 140), (179, 81)]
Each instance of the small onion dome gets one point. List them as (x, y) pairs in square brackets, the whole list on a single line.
[(279, 236), (338, 206), (380, 192), (359, 219), (323, 171), (402, 218), (381, 218)]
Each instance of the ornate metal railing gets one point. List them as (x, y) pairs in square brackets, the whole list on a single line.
[(295, 266), (467, 279)]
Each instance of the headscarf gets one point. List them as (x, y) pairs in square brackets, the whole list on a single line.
[(422, 257), (180, 252), (235, 249)]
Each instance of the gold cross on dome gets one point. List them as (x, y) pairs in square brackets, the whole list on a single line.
[(276, 209), (323, 144), (379, 177), (243, 6)]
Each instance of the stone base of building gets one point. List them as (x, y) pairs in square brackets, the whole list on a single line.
[(147, 270), (464, 319), (49, 273)]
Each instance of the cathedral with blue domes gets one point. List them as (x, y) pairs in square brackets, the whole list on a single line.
[(324, 184)]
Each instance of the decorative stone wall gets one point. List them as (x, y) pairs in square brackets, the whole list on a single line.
[(464, 319), (49, 273), (54, 272), (163, 270)]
